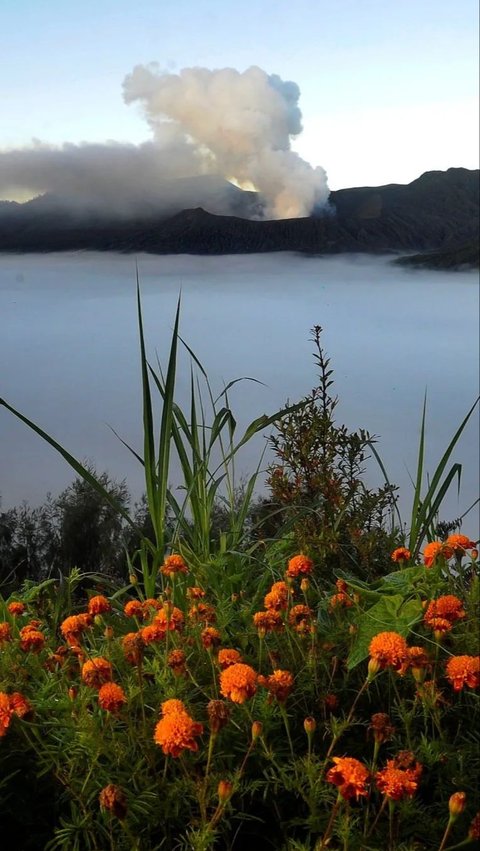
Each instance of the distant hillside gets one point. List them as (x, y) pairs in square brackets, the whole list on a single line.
[(463, 257), (437, 212)]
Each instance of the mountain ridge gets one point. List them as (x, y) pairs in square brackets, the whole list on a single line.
[(437, 212)]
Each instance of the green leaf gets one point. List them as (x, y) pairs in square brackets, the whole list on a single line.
[(389, 614)]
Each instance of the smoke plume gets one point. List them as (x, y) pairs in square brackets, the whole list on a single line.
[(213, 123)]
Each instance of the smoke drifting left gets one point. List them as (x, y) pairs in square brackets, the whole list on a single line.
[(211, 123)]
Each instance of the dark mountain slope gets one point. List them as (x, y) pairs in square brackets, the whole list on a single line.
[(438, 211)]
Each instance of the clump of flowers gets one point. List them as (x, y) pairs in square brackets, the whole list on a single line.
[(10, 705), (96, 672), (279, 684), (238, 682), (442, 613), (397, 782), (434, 550), (111, 697), (268, 621), (300, 618), (401, 554), (460, 543), (463, 671), (31, 639), (176, 731), (228, 656), (133, 609), (16, 608), (299, 565), (389, 649), (98, 605), (177, 662), (173, 564), (350, 775), (277, 597)]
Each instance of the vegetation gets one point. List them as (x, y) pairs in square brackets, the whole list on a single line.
[(286, 672)]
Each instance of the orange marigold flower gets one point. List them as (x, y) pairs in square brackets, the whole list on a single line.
[(350, 776), (151, 605), (170, 619), (218, 714), (176, 662), (268, 621), (418, 662), (133, 609), (340, 600), (435, 549), (133, 647), (173, 564), (113, 799), (202, 613), (5, 632), (228, 656), (111, 697), (31, 639), (210, 637), (460, 543), (238, 682), (401, 554), (456, 804), (463, 671), (299, 565), (176, 731), (6, 712), (444, 609), (277, 597), (300, 618), (341, 586), (98, 605), (16, 608), (96, 671), (397, 783), (72, 627), (389, 649), (20, 705), (279, 684), (195, 593), (172, 706), (153, 632)]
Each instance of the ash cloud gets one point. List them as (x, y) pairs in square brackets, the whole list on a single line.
[(206, 126)]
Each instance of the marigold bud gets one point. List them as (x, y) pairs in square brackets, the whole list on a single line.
[(108, 632), (72, 692), (225, 791), (456, 804), (474, 555), (133, 579), (257, 729), (352, 629), (304, 585), (310, 725), (113, 799), (373, 669)]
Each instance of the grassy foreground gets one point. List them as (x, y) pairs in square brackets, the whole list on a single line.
[(300, 680)]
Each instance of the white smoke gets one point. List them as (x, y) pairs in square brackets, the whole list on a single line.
[(213, 123), (237, 124)]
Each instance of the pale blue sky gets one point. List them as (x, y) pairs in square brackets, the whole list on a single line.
[(389, 88)]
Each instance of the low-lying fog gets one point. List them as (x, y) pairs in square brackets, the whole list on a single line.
[(70, 358)]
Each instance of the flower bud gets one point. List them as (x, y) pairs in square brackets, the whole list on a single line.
[(310, 725), (72, 692), (474, 555), (108, 632), (456, 804), (225, 791), (304, 585), (373, 668), (133, 579), (257, 729)]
